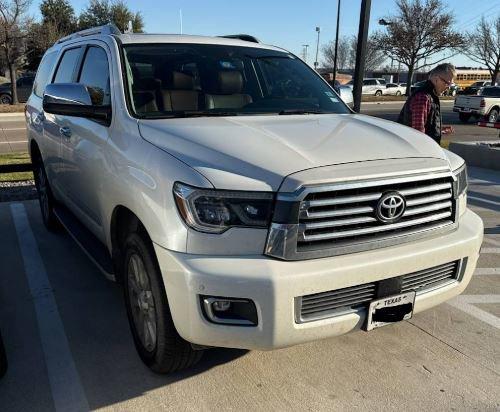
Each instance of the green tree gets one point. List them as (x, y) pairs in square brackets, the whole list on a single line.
[(100, 12), (58, 20)]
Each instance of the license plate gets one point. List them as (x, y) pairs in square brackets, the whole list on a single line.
[(466, 109), (390, 310)]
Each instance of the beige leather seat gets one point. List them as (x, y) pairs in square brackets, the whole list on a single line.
[(182, 96), (229, 96)]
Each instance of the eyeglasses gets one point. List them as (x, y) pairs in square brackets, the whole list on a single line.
[(448, 83)]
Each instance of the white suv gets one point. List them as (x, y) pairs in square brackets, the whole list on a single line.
[(237, 199)]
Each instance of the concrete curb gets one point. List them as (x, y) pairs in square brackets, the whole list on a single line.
[(443, 102), (477, 154), (15, 114)]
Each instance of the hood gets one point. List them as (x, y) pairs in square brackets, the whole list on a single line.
[(257, 152)]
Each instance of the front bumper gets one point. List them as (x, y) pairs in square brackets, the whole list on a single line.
[(274, 284)]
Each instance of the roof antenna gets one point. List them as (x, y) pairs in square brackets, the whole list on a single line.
[(130, 27)]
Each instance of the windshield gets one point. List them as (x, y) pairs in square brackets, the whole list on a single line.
[(491, 91), (180, 80)]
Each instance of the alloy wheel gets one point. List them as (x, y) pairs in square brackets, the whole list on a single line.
[(142, 302)]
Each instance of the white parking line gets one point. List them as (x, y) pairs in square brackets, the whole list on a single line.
[(466, 304), (14, 128), (484, 200), (67, 390), (490, 250), (17, 141), (486, 271)]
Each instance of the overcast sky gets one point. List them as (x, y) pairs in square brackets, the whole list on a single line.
[(282, 22)]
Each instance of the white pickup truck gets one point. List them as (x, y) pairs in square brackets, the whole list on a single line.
[(236, 198), (487, 104)]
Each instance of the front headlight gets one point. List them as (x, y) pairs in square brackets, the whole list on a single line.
[(460, 188), (215, 211), (461, 180)]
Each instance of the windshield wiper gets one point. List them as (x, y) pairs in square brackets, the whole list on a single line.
[(202, 113), (301, 111)]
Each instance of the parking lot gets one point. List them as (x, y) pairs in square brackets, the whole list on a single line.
[(69, 345)]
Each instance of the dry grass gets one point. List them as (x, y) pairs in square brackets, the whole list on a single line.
[(15, 158), (12, 108)]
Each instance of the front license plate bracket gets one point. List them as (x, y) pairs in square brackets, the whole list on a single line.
[(389, 310)]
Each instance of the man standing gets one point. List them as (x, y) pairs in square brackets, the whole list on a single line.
[(422, 110)]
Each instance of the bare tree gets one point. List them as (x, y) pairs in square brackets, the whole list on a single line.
[(13, 22), (374, 56), (342, 53), (483, 46), (418, 32)]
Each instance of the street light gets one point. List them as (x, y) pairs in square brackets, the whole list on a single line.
[(384, 22), (336, 45), (318, 30), (304, 51)]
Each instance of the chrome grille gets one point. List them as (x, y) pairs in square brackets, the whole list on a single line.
[(356, 298), (335, 218), (430, 278)]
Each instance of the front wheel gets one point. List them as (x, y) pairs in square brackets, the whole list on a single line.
[(159, 345), (378, 93)]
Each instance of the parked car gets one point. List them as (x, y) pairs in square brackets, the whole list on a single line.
[(393, 89), (236, 198), (24, 86), (345, 93), (475, 88), (371, 86), (486, 105), (452, 90)]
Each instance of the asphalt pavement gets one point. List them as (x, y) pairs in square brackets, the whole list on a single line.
[(13, 133), (69, 345)]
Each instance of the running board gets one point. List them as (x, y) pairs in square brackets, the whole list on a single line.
[(84, 238)]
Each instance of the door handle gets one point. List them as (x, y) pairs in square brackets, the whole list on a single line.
[(65, 131)]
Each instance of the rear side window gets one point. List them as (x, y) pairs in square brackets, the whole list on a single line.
[(95, 75), (43, 73), (67, 66)]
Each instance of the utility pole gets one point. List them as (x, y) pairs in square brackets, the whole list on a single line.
[(304, 52), (318, 30), (336, 45), (364, 20)]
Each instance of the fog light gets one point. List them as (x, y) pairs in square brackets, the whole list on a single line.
[(229, 311)]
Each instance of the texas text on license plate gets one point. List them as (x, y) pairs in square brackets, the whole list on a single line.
[(390, 309)]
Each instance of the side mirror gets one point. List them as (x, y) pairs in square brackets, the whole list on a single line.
[(75, 99)]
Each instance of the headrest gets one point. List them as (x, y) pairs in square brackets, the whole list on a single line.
[(147, 83), (230, 82), (182, 81)]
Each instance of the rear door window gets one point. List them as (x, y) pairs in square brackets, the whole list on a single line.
[(67, 65), (95, 75)]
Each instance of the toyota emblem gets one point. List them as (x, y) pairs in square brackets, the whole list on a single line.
[(390, 207)]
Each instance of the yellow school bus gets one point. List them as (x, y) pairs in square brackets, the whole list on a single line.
[(465, 77)]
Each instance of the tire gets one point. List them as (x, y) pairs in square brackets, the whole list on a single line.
[(45, 197), (5, 99), (398, 93), (378, 93), (493, 116), (464, 117), (159, 345)]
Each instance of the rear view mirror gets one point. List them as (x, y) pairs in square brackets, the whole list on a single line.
[(75, 99)]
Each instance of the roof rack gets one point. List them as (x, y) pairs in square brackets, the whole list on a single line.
[(244, 37), (106, 29)]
